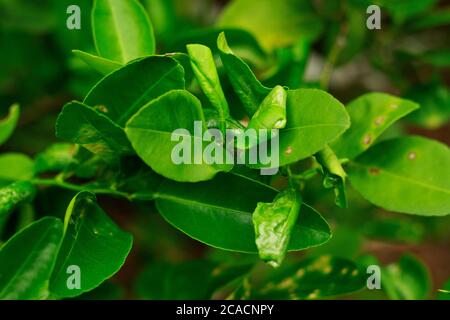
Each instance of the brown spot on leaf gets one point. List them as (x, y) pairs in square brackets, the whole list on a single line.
[(374, 171), (367, 139), (379, 121), (102, 108), (288, 150)]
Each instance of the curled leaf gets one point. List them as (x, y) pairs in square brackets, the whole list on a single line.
[(273, 225)]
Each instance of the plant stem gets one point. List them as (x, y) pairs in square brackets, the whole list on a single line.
[(74, 187)]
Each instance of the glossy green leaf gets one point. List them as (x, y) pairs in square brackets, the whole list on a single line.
[(15, 166), (122, 93), (274, 223), (409, 175), (271, 114), (440, 17), (28, 259), (212, 211), (334, 175), (274, 25), (205, 71), (314, 119), (8, 124), (151, 132), (122, 30), (407, 279), (102, 65), (434, 100), (83, 125), (249, 90), (315, 278), (371, 114), (92, 242), (57, 157), (191, 280)]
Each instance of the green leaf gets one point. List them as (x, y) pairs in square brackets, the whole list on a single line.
[(28, 259), (15, 166), (409, 175), (250, 91), (93, 242), (439, 17), (407, 279), (102, 65), (122, 93), (122, 30), (212, 211), (334, 175), (434, 100), (274, 223), (314, 119), (83, 125), (371, 114), (271, 114), (314, 278), (151, 134), (191, 280), (57, 157), (8, 124), (274, 25), (205, 71)]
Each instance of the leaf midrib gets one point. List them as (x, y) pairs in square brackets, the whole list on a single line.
[(408, 179)]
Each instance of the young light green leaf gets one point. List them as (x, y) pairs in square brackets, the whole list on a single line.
[(93, 243), (205, 71), (191, 280), (15, 166), (102, 65), (314, 278), (122, 93), (57, 157), (409, 175), (274, 25), (28, 259), (334, 175), (250, 91), (122, 30), (407, 279), (271, 114), (201, 211), (83, 125), (371, 114), (8, 124), (314, 119), (151, 132), (274, 223)]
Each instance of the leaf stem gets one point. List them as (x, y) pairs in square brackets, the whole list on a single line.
[(74, 187)]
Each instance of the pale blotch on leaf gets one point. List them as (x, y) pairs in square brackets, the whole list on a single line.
[(355, 272), (314, 294), (394, 106), (102, 108), (344, 271), (379, 121), (412, 155), (300, 273), (327, 270), (286, 283), (288, 150)]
